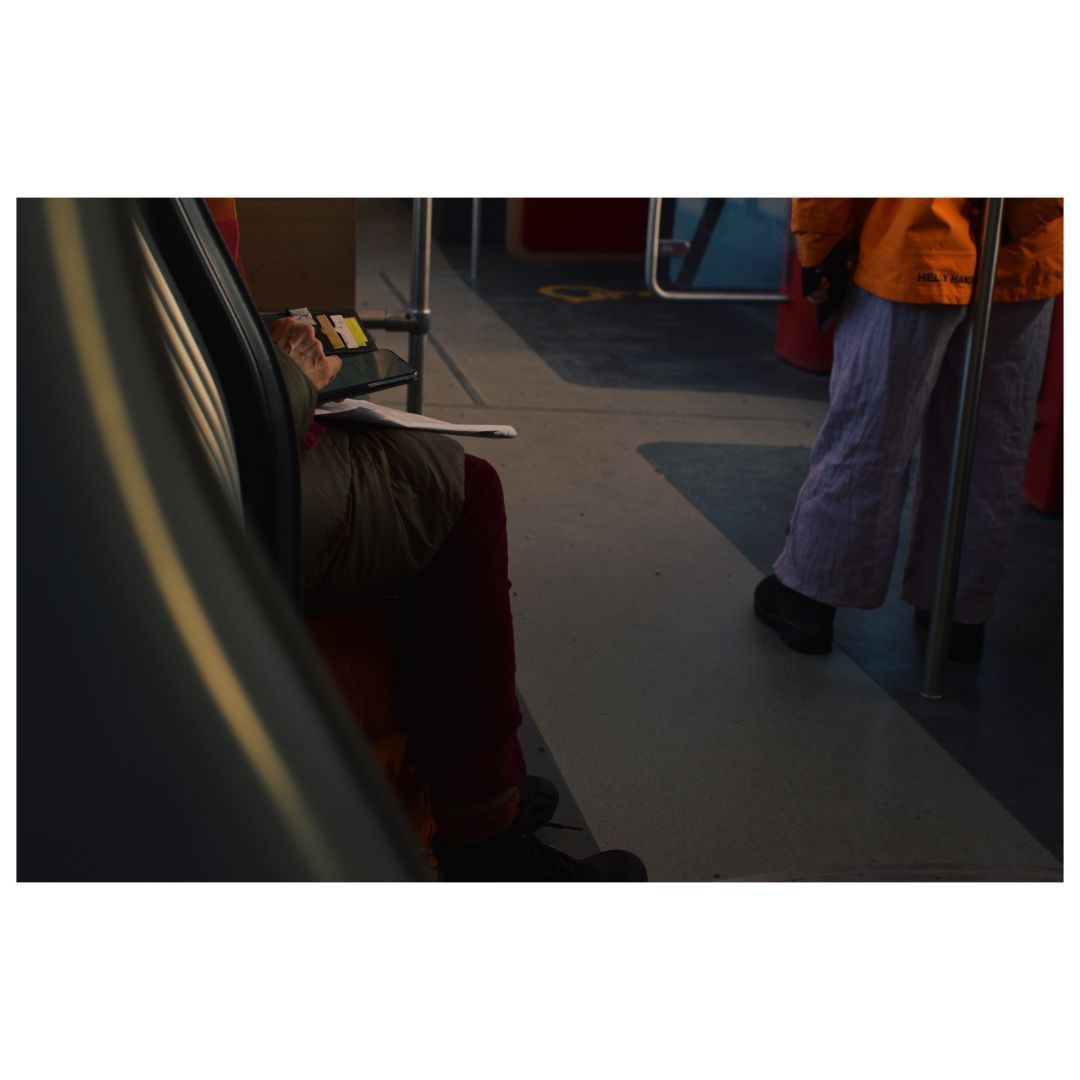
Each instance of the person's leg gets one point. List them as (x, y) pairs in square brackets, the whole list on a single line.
[(845, 526), (459, 699), (396, 512), (457, 665), (385, 512), (1015, 355), (376, 504)]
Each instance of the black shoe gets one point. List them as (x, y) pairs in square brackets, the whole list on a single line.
[(805, 625), (516, 855), (542, 796), (965, 639)]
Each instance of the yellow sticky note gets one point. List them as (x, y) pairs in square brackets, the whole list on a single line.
[(357, 331)]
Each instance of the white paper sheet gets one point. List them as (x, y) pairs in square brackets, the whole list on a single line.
[(355, 411)]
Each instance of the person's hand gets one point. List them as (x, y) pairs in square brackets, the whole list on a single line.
[(828, 281), (305, 350)]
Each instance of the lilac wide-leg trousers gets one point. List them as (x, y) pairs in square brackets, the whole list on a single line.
[(896, 379)]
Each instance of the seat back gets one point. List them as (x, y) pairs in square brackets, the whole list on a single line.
[(192, 258), (199, 385), (186, 730), (355, 645)]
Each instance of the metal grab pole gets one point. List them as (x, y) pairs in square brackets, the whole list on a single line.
[(474, 251), (421, 281), (952, 536)]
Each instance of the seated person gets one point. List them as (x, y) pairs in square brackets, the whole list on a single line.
[(394, 511)]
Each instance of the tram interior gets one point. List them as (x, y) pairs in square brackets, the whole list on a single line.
[(660, 446)]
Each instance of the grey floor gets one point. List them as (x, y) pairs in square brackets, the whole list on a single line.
[(645, 491)]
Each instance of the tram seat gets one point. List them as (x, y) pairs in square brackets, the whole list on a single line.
[(355, 645)]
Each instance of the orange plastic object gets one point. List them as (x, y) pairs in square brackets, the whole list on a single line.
[(357, 648)]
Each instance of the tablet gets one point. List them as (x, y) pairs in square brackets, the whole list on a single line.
[(364, 373)]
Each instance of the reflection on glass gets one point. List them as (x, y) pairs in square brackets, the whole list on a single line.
[(734, 243)]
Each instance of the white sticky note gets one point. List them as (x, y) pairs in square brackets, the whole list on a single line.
[(342, 328)]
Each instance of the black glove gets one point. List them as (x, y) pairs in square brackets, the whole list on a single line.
[(829, 281)]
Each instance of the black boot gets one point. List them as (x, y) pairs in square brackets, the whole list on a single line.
[(805, 625), (965, 639), (542, 796), (516, 855)]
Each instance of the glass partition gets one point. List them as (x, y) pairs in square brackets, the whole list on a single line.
[(717, 249)]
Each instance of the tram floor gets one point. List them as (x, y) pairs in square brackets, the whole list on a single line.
[(640, 520), (1001, 719)]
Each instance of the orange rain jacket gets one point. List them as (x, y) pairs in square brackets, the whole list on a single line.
[(923, 251)]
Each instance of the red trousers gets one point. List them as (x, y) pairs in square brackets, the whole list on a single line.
[(455, 655)]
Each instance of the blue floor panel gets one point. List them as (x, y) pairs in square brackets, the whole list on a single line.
[(634, 341)]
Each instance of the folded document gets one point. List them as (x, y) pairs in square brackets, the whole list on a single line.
[(366, 412)]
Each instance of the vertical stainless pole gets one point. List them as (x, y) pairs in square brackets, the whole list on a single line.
[(952, 536), (421, 281), (474, 252)]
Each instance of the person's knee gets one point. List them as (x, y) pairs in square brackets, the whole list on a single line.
[(482, 483), (480, 473)]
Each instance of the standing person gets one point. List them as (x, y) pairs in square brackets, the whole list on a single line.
[(898, 362)]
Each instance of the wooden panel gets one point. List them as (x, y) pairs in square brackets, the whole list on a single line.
[(299, 252)]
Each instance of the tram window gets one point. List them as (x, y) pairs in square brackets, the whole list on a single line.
[(723, 244)]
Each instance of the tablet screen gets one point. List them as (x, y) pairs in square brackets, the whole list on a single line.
[(366, 372)]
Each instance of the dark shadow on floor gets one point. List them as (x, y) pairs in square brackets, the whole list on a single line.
[(1003, 718), (633, 341), (567, 830)]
